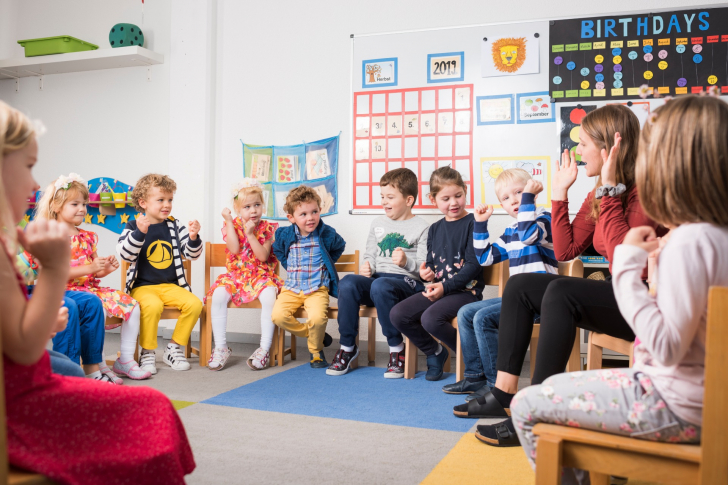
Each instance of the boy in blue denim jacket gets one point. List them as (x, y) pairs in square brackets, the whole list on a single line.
[(307, 249)]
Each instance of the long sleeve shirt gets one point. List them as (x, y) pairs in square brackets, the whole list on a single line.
[(671, 326), (526, 244), (386, 235)]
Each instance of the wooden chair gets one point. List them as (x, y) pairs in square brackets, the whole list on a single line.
[(169, 313), (604, 454), (599, 341)]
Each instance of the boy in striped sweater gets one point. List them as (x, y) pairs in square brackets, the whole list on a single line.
[(528, 247), (154, 244)]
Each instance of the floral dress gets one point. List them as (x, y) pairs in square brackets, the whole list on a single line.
[(116, 303), (247, 276)]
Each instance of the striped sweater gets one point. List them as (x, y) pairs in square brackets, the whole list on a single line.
[(132, 240), (526, 244)]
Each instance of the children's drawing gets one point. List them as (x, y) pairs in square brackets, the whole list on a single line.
[(495, 110), (508, 56), (491, 167), (327, 200), (317, 164), (260, 167), (535, 108), (287, 168), (376, 73), (280, 202)]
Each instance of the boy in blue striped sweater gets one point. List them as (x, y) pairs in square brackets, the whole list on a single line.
[(528, 247)]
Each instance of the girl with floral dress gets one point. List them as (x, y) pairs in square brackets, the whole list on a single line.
[(251, 272), (682, 178), (65, 200)]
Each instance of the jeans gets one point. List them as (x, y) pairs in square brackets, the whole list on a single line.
[(478, 328), (383, 291), (62, 365), (83, 337)]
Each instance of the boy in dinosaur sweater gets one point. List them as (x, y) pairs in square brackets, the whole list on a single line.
[(396, 247)]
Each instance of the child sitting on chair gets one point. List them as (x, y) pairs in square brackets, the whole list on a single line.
[(307, 249), (251, 267), (527, 246)]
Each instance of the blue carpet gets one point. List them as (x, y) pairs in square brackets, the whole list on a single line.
[(360, 395)]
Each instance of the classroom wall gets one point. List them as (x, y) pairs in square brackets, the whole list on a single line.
[(269, 72)]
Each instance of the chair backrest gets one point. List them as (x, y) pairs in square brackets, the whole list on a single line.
[(714, 437), (348, 263), (496, 275), (186, 264), (573, 268)]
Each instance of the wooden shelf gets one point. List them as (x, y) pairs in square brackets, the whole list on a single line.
[(79, 61)]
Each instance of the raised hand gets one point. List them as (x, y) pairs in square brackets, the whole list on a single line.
[(533, 187), (193, 227), (426, 274), (483, 212), (143, 223), (48, 242), (609, 163), (365, 269), (227, 215), (564, 176), (399, 257)]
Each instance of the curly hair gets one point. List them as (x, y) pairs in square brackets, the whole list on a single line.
[(146, 183), (300, 195)]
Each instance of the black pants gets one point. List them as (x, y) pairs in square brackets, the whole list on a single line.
[(419, 319), (565, 304)]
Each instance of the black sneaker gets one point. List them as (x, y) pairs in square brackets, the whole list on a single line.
[(340, 365), (395, 369), (318, 360), (327, 340)]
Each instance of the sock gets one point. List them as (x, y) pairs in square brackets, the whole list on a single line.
[(439, 349), (94, 375), (129, 334), (502, 397), (219, 302), (267, 299), (347, 349), (475, 379), (398, 348)]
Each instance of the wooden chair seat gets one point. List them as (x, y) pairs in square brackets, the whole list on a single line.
[(599, 341), (16, 476)]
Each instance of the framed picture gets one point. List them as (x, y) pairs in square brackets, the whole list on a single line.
[(535, 108), (379, 73), (445, 67), (495, 110)]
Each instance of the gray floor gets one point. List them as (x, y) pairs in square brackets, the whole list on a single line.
[(234, 445)]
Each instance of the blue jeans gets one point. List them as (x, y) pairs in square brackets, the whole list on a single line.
[(383, 291), (62, 365), (478, 328), (83, 337)]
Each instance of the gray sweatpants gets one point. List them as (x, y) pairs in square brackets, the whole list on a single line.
[(616, 401)]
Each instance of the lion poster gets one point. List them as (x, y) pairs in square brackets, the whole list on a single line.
[(509, 56)]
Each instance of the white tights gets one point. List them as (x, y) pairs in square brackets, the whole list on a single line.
[(219, 301), (129, 334)]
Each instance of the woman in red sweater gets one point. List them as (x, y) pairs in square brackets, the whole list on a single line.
[(608, 146)]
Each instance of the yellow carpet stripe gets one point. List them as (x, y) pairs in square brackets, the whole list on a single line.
[(181, 404)]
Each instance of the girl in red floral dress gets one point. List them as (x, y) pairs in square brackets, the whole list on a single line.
[(251, 275), (59, 426)]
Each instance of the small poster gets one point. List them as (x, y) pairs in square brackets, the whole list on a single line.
[(509, 56), (317, 164), (287, 168), (495, 110), (491, 167), (280, 202), (260, 167), (377, 73), (571, 117), (327, 200), (535, 108), (446, 67)]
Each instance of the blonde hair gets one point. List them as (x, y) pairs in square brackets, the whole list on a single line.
[(445, 176), (244, 193), (300, 195), (52, 201), (509, 176), (146, 183), (682, 167), (600, 125), (16, 132)]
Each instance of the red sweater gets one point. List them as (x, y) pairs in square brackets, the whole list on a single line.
[(572, 238)]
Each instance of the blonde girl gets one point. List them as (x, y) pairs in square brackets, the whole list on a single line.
[(251, 272), (65, 201), (452, 269)]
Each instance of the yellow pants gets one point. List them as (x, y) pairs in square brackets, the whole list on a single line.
[(152, 300), (316, 305)]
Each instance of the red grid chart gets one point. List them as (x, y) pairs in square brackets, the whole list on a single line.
[(419, 128)]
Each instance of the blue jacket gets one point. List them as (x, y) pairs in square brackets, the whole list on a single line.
[(332, 247)]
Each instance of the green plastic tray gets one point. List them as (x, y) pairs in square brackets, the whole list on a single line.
[(61, 44)]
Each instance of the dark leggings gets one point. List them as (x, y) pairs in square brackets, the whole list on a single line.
[(565, 304)]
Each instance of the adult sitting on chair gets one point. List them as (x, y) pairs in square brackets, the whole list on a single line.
[(608, 147)]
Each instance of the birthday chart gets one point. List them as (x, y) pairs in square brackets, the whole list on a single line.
[(681, 52)]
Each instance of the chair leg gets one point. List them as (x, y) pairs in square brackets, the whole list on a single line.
[(593, 355), (410, 359), (372, 342), (534, 346), (281, 348), (293, 347), (574, 364), (273, 354), (188, 349), (459, 363), (599, 478), (205, 335), (548, 460)]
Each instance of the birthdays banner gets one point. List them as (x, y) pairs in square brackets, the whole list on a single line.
[(599, 58)]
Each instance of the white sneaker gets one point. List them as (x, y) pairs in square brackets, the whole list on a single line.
[(259, 359), (219, 358), (175, 358), (131, 370), (147, 362)]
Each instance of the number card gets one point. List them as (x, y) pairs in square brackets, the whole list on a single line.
[(446, 67)]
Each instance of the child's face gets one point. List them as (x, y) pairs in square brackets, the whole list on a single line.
[(306, 216), (451, 201), (18, 178), (510, 197), (396, 206), (590, 154), (158, 204), (73, 210), (251, 209)]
